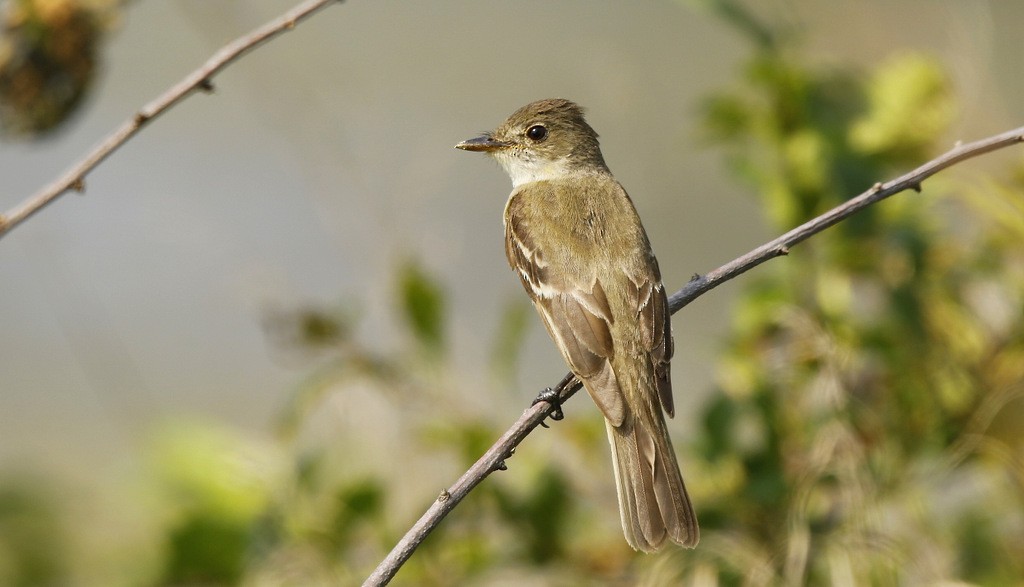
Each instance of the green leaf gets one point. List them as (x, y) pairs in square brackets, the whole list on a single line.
[(423, 305), (910, 104), (515, 323), (361, 501), (33, 537)]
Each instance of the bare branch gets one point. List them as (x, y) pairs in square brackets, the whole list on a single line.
[(780, 246), (494, 458), (74, 178)]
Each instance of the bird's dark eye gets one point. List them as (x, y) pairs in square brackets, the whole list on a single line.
[(537, 132)]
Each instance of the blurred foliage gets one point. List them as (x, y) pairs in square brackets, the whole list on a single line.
[(219, 487), (423, 306), (48, 61), (864, 430), (33, 535), (859, 434)]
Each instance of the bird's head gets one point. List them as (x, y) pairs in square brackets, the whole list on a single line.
[(543, 140)]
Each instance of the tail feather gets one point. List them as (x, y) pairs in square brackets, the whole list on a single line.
[(653, 502)]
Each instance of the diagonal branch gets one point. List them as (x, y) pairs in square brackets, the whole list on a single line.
[(74, 178), (700, 284), (494, 458)]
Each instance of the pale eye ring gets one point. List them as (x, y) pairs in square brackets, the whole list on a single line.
[(537, 133)]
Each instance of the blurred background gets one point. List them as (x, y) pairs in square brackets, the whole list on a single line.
[(280, 319)]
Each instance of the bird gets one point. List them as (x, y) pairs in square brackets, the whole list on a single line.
[(574, 238)]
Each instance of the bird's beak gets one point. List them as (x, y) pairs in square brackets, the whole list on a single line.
[(485, 143)]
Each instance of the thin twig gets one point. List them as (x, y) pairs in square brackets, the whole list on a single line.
[(74, 178), (780, 246), (494, 458)]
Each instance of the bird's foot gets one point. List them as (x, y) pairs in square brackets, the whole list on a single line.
[(550, 396)]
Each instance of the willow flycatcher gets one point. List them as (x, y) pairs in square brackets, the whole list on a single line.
[(576, 242)]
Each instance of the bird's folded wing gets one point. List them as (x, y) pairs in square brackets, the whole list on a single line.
[(656, 331), (578, 319)]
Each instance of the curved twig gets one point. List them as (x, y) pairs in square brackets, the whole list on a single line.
[(74, 178), (494, 458)]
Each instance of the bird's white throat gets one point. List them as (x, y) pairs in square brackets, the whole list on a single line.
[(525, 169)]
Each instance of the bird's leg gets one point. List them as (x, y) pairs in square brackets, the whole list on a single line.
[(551, 396)]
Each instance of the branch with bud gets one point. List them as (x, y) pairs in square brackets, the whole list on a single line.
[(74, 178)]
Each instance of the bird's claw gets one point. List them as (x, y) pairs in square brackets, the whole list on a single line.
[(550, 396)]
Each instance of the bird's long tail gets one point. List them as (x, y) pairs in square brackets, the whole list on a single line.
[(653, 501)]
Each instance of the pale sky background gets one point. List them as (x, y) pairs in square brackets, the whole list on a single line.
[(325, 157)]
